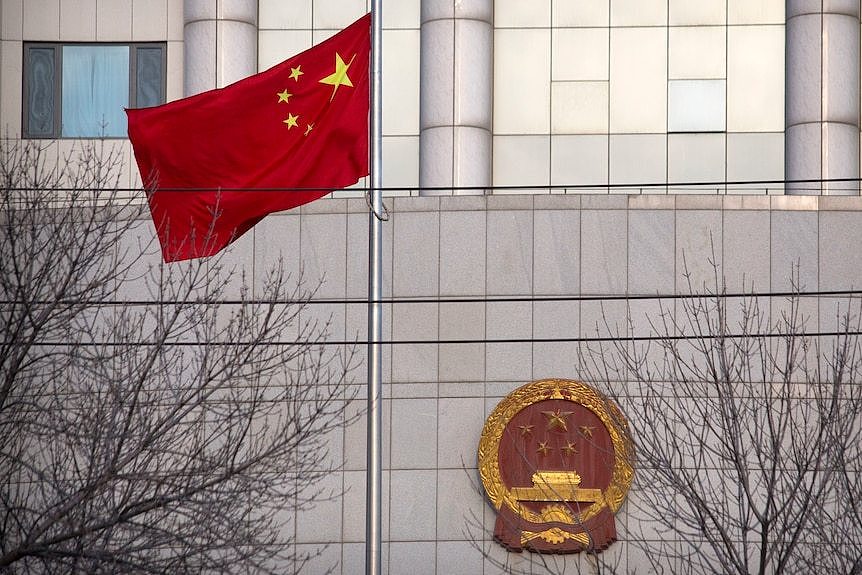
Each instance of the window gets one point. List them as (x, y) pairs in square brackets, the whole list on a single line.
[(80, 90), (696, 106)]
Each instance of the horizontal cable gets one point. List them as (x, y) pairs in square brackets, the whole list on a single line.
[(442, 300), (358, 342), (752, 184)]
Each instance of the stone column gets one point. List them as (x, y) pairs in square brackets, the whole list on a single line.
[(455, 101), (822, 92), (220, 43)]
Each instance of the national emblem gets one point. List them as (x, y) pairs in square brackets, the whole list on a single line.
[(556, 490)]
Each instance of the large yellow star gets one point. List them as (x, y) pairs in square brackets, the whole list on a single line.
[(557, 419), (291, 120), (283, 96), (295, 73), (339, 77)]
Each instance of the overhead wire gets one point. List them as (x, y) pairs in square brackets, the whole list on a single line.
[(810, 184), (441, 300), (620, 188), (611, 337), (436, 341)]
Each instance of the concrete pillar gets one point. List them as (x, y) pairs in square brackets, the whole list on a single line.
[(220, 43), (455, 101), (822, 94)]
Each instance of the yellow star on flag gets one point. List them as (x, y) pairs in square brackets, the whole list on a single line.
[(339, 77), (295, 73), (291, 120), (309, 128), (283, 96)]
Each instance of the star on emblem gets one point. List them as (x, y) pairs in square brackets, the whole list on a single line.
[(543, 448), (570, 448), (587, 430), (557, 419), (525, 429), (290, 121), (339, 77), (283, 96), (295, 73)]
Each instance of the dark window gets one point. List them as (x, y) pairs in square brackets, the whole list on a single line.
[(80, 90)]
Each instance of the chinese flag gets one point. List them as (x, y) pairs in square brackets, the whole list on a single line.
[(216, 163)]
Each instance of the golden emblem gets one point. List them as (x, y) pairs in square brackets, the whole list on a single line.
[(557, 487)]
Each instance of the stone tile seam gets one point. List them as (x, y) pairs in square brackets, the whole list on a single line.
[(460, 19), (205, 20), (689, 202)]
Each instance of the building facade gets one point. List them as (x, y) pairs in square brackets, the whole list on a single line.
[(554, 148), (576, 95)]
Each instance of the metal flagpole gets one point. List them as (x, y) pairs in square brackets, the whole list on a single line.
[(373, 490)]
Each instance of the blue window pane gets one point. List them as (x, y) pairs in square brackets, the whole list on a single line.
[(40, 92), (95, 91), (149, 80)]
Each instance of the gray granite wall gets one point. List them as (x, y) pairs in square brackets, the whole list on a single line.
[(437, 394)]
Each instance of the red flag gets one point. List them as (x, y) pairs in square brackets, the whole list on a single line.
[(208, 159)]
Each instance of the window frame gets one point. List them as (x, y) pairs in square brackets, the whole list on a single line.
[(56, 133)]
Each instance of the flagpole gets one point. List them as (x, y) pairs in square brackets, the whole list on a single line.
[(373, 491)]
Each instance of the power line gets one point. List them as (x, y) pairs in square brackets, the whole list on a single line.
[(441, 300), (521, 340), (735, 184)]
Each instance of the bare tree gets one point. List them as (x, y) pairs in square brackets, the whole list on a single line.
[(746, 417), (746, 425), (148, 422)]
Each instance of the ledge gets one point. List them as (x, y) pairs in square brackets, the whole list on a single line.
[(503, 202)]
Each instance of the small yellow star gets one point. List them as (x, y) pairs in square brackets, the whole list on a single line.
[(587, 430), (309, 128), (557, 419), (291, 120), (570, 448), (525, 429), (543, 448), (295, 73), (339, 77), (283, 96)]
